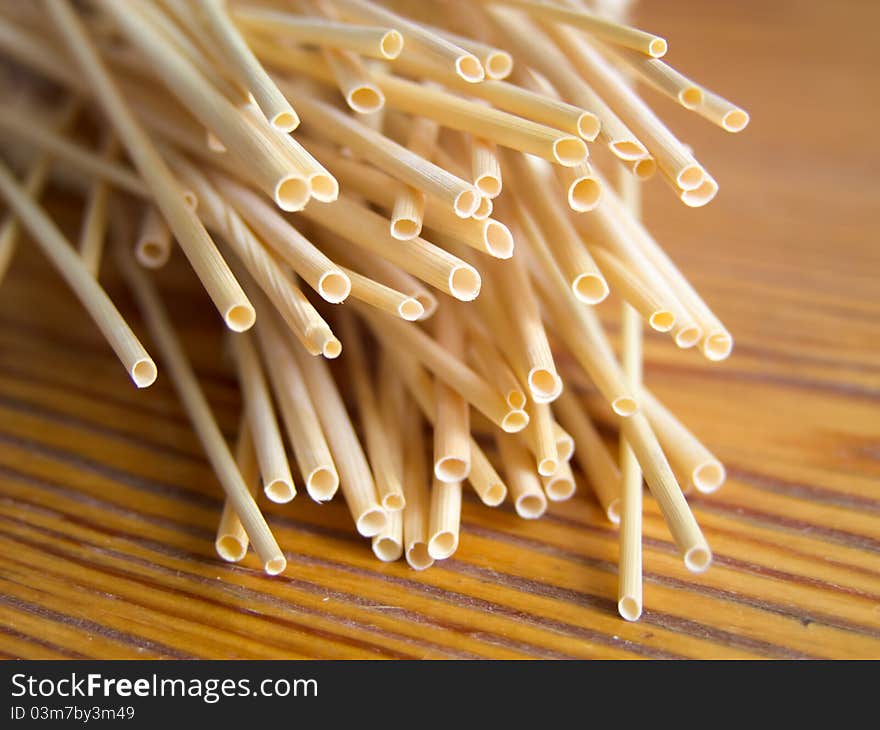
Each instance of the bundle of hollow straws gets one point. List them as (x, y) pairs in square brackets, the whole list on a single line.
[(309, 153)]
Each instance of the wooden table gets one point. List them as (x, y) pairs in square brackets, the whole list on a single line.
[(107, 506)]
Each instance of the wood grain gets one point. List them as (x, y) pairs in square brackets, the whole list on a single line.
[(107, 506)]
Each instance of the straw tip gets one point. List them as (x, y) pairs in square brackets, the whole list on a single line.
[(418, 557), (629, 608), (230, 549), (411, 310), (470, 69), (451, 469), (499, 65), (494, 495), (709, 476), (658, 47), (240, 317), (613, 512), (560, 490), (465, 283), (570, 151), (624, 406), (662, 320), (365, 99), (698, 559), (372, 522), (515, 421), (323, 187), (144, 373), (442, 545), (467, 202), (387, 549), (285, 121), (531, 506), (322, 483), (735, 121), (292, 193), (276, 565), (391, 45), (334, 286), (717, 346), (498, 239), (280, 491)]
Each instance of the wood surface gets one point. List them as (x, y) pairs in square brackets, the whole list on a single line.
[(108, 507)]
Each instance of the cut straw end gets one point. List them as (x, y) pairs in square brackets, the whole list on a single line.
[(588, 125), (717, 346), (531, 506), (657, 47), (323, 342), (688, 336), (612, 512), (628, 150), (230, 548), (285, 121), (292, 193), (393, 502), (391, 45), (590, 288), (690, 97), (387, 549), (334, 286), (701, 195), (698, 558), (322, 483), (240, 317), (488, 185), (405, 229), (275, 566), (570, 151), (736, 120), (624, 406), (645, 168), (629, 608), (372, 522), (584, 194), (279, 491), (548, 467), (662, 320), (411, 310), (498, 65), (516, 399), (214, 143), (144, 373), (428, 302), (365, 99), (323, 187), (498, 239), (494, 495), (544, 384), (465, 283), (191, 200), (708, 476), (515, 421), (559, 488), (565, 447), (451, 469), (469, 68), (466, 203), (418, 557), (442, 545), (484, 209), (690, 178)]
